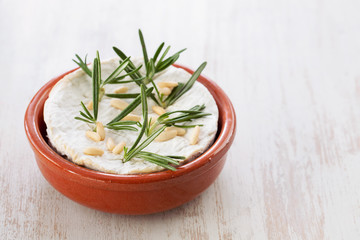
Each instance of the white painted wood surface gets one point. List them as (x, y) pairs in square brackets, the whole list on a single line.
[(292, 70)]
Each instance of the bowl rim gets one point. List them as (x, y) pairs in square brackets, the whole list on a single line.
[(221, 143)]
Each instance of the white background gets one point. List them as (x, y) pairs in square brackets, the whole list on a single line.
[(291, 69)]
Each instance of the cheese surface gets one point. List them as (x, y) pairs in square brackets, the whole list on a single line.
[(68, 135)]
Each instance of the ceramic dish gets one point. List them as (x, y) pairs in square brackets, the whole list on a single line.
[(131, 194)]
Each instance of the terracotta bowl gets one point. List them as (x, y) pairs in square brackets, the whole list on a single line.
[(130, 194)]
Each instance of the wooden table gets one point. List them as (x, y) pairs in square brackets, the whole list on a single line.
[(292, 71)]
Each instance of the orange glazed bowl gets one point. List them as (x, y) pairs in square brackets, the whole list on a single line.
[(133, 193)]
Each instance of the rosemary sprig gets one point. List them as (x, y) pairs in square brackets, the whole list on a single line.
[(137, 147), (114, 77), (82, 64), (161, 64), (181, 89), (184, 116), (98, 87), (152, 67), (87, 117), (96, 81)]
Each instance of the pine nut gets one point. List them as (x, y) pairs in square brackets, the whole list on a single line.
[(90, 105), (93, 136), (119, 148), (121, 90), (93, 151), (100, 130), (110, 144), (180, 131), (165, 90), (195, 135), (158, 110), (131, 117), (166, 135), (118, 103), (167, 84)]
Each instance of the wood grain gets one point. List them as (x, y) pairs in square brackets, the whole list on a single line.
[(292, 70)]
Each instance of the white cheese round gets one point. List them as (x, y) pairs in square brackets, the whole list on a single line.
[(67, 135)]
